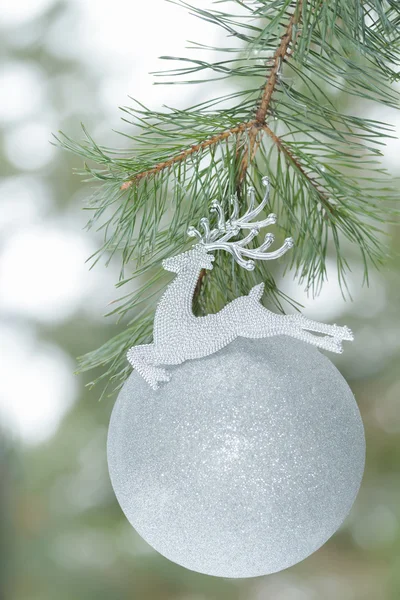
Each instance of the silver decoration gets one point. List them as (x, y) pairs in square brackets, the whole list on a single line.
[(245, 463), (180, 336)]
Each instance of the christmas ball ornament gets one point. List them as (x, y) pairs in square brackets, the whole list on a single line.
[(246, 453), (245, 463)]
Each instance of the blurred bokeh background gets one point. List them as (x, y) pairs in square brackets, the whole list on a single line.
[(62, 534)]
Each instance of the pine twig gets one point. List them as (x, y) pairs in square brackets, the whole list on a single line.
[(254, 127), (213, 141), (293, 160)]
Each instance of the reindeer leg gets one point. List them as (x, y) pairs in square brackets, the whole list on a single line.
[(259, 322), (340, 333), (142, 358), (325, 342), (296, 326)]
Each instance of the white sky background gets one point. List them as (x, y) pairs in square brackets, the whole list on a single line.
[(43, 275)]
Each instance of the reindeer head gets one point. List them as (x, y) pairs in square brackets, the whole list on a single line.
[(197, 258), (219, 238)]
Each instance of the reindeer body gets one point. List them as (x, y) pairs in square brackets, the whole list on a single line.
[(179, 335), (191, 336)]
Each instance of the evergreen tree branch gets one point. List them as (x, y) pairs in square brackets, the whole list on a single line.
[(254, 126), (292, 124), (185, 154)]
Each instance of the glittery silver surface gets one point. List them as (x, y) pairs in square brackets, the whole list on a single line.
[(179, 335), (245, 463)]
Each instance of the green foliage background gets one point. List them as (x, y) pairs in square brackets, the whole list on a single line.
[(62, 533)]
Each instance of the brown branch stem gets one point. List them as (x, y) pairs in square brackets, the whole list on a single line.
[(212, 141), (263, 107)]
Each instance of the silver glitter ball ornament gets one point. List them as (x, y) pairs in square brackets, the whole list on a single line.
[(245, 463)]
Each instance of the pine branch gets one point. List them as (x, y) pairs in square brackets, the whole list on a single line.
[(303, 64), (324, 199), (185, 154), (254, 126)]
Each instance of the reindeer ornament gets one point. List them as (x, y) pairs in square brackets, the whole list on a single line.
[(250, 458), (179, 335)]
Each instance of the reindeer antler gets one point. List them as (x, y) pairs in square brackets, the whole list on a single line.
[(218, 239)]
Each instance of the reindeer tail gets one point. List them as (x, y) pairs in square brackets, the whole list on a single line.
[(257, 291)]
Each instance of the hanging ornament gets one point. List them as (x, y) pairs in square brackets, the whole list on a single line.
[(246, 455)]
